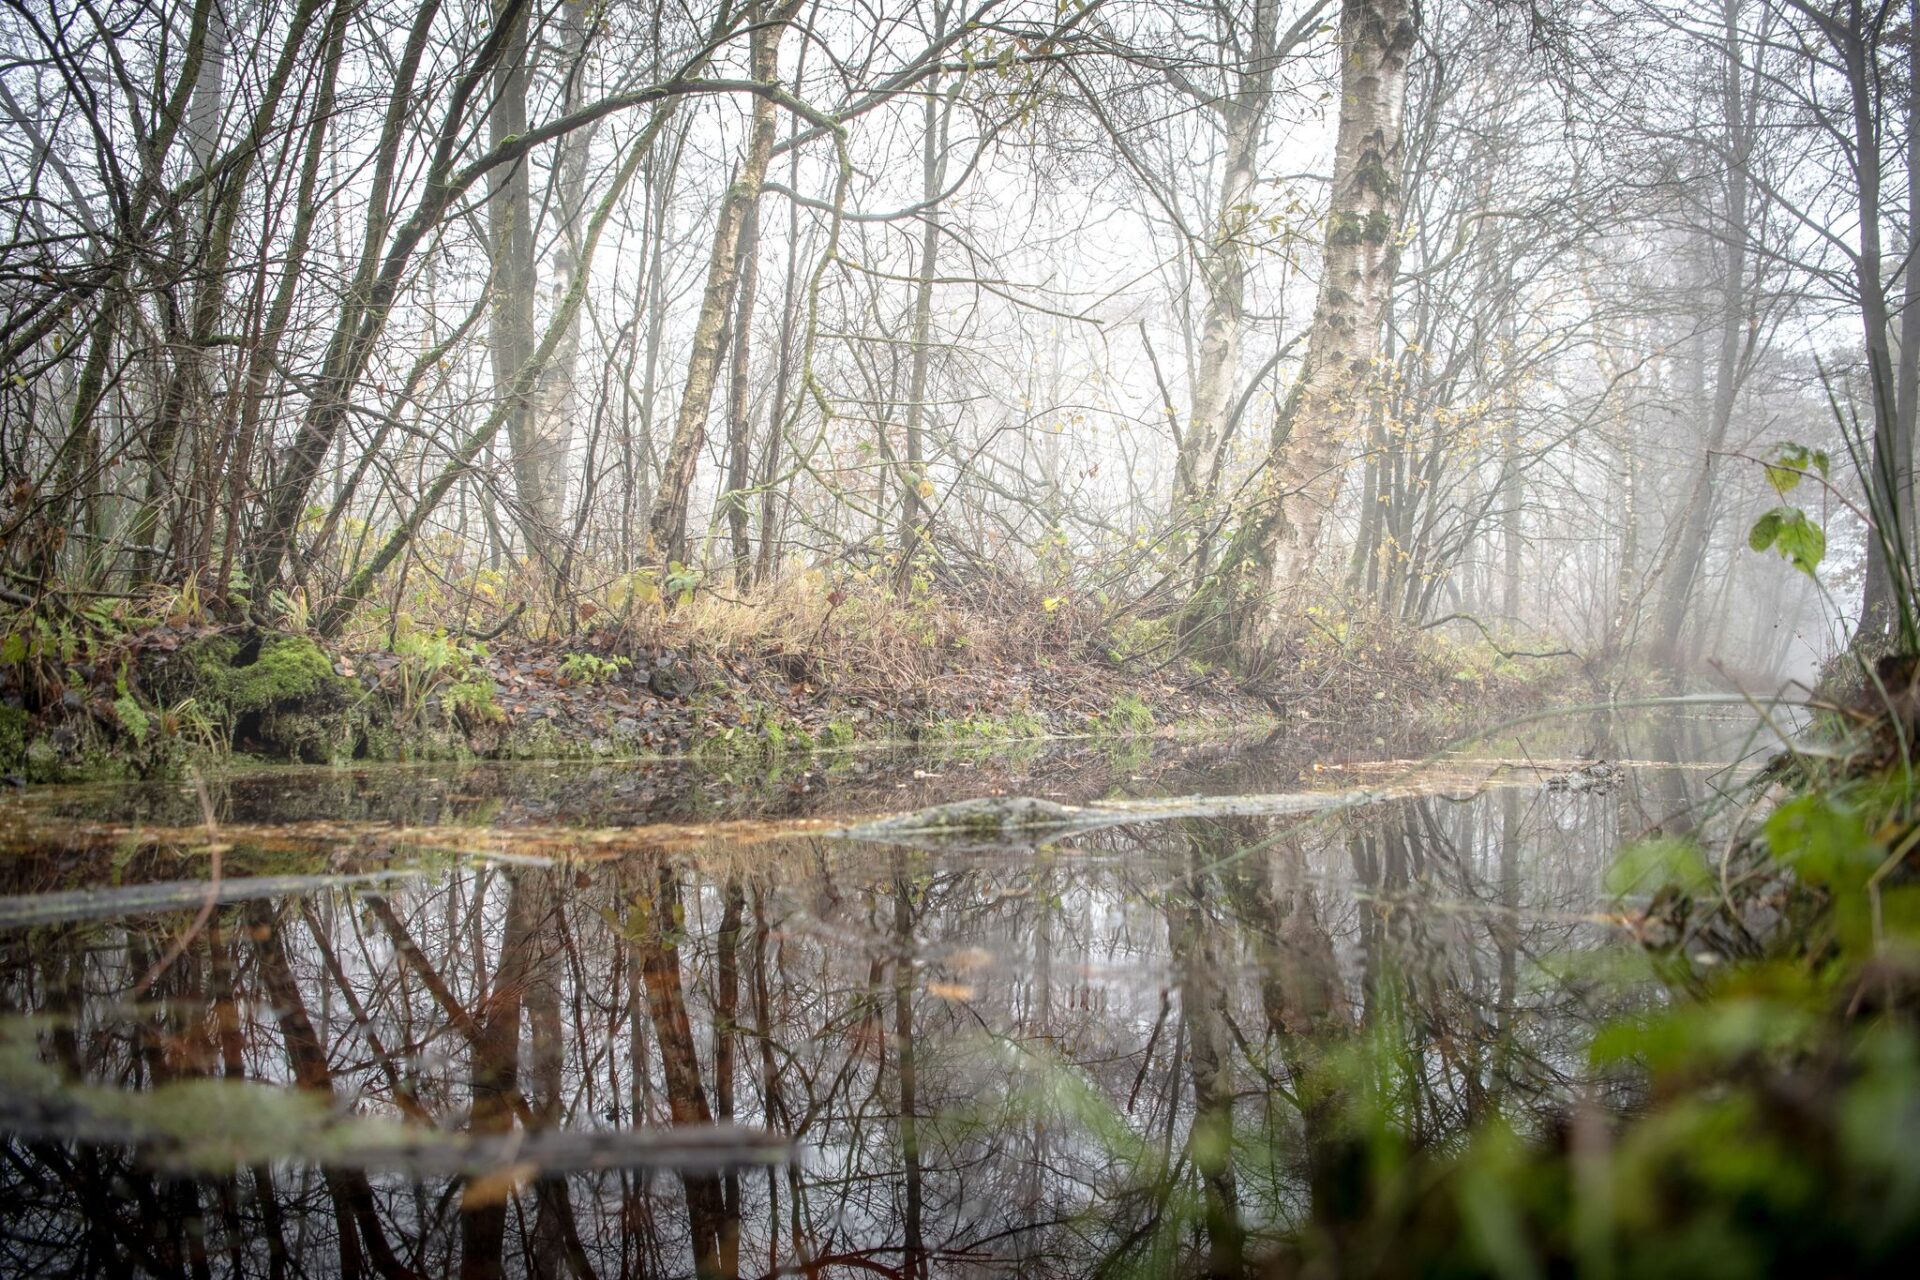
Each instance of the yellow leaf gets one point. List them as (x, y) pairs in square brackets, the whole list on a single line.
[(496, 1187)]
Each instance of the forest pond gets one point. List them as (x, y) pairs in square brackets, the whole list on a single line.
[(652, 1021)]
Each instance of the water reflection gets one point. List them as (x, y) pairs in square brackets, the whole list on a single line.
[(1135, 1052)]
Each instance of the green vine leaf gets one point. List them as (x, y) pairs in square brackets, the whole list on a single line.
[(1791, 463), (1788, 531)]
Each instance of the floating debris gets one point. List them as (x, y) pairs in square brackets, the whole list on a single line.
[(1598, 777), (1014, 822), (25, 910)]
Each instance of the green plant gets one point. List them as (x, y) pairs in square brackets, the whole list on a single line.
[(986, 728), (473, 699), (681, 582), (769, 737), (591, 668), (433, 662), (1126, 716), (1132, 639), (187, 721), (131, 715), (1786, 528)]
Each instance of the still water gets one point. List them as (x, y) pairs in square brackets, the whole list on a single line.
[(651, 1021)]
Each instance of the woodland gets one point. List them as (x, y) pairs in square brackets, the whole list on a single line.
[(951, 637), (1481, 318)]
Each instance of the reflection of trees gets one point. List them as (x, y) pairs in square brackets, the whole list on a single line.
[(1196, 944), (655, 926), (912, 1019)]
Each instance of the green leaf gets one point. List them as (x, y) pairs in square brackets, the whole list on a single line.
[(1792, 462), (1826, 844), (1648, 866), (1788, 531)]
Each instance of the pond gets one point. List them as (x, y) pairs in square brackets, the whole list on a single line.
[(654, 1020)]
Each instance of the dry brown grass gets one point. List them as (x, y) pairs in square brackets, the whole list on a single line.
[(858, 630)]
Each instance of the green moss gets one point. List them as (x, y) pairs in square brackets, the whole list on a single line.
[(415, 743), (14, 725), (99, 764), (838, 734), (983, 728), (537, 738), (41, 761), (289, 669), (1126, 716), (769, 737), (287, 699)]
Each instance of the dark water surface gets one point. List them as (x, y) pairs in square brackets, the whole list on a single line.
[(653, 1021)]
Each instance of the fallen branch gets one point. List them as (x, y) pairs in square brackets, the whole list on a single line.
[(1495, 644)]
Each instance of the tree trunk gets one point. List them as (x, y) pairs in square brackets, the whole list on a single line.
[(207, 56), (510, 240), (766, 561), (667, 532), (933, 169), (739, 407), (1907, 370), (1890, 465), (1223, 273), (1312, 430), (1683, 572), (541, 451)]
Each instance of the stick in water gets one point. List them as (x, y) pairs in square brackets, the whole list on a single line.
[(214, 847)]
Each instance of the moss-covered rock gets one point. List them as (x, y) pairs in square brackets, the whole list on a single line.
[(537, 738), (417, 742), (274, 695), (41, 762), (76, 751), (286, 670)]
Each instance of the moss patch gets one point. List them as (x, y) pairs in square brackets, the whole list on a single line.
[(1126, 716), (287, 670), (14, 726), (277, 696), (1014, 726)]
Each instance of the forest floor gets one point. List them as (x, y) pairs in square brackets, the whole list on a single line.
[(723, 680)]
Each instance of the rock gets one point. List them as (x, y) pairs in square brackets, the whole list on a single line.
[(671, 682)]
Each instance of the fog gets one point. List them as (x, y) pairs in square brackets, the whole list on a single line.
[(1482, 317)]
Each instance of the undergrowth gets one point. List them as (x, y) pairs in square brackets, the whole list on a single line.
[(149, 684)]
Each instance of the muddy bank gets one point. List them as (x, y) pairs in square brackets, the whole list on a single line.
[(154, 703), (170, 698)]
